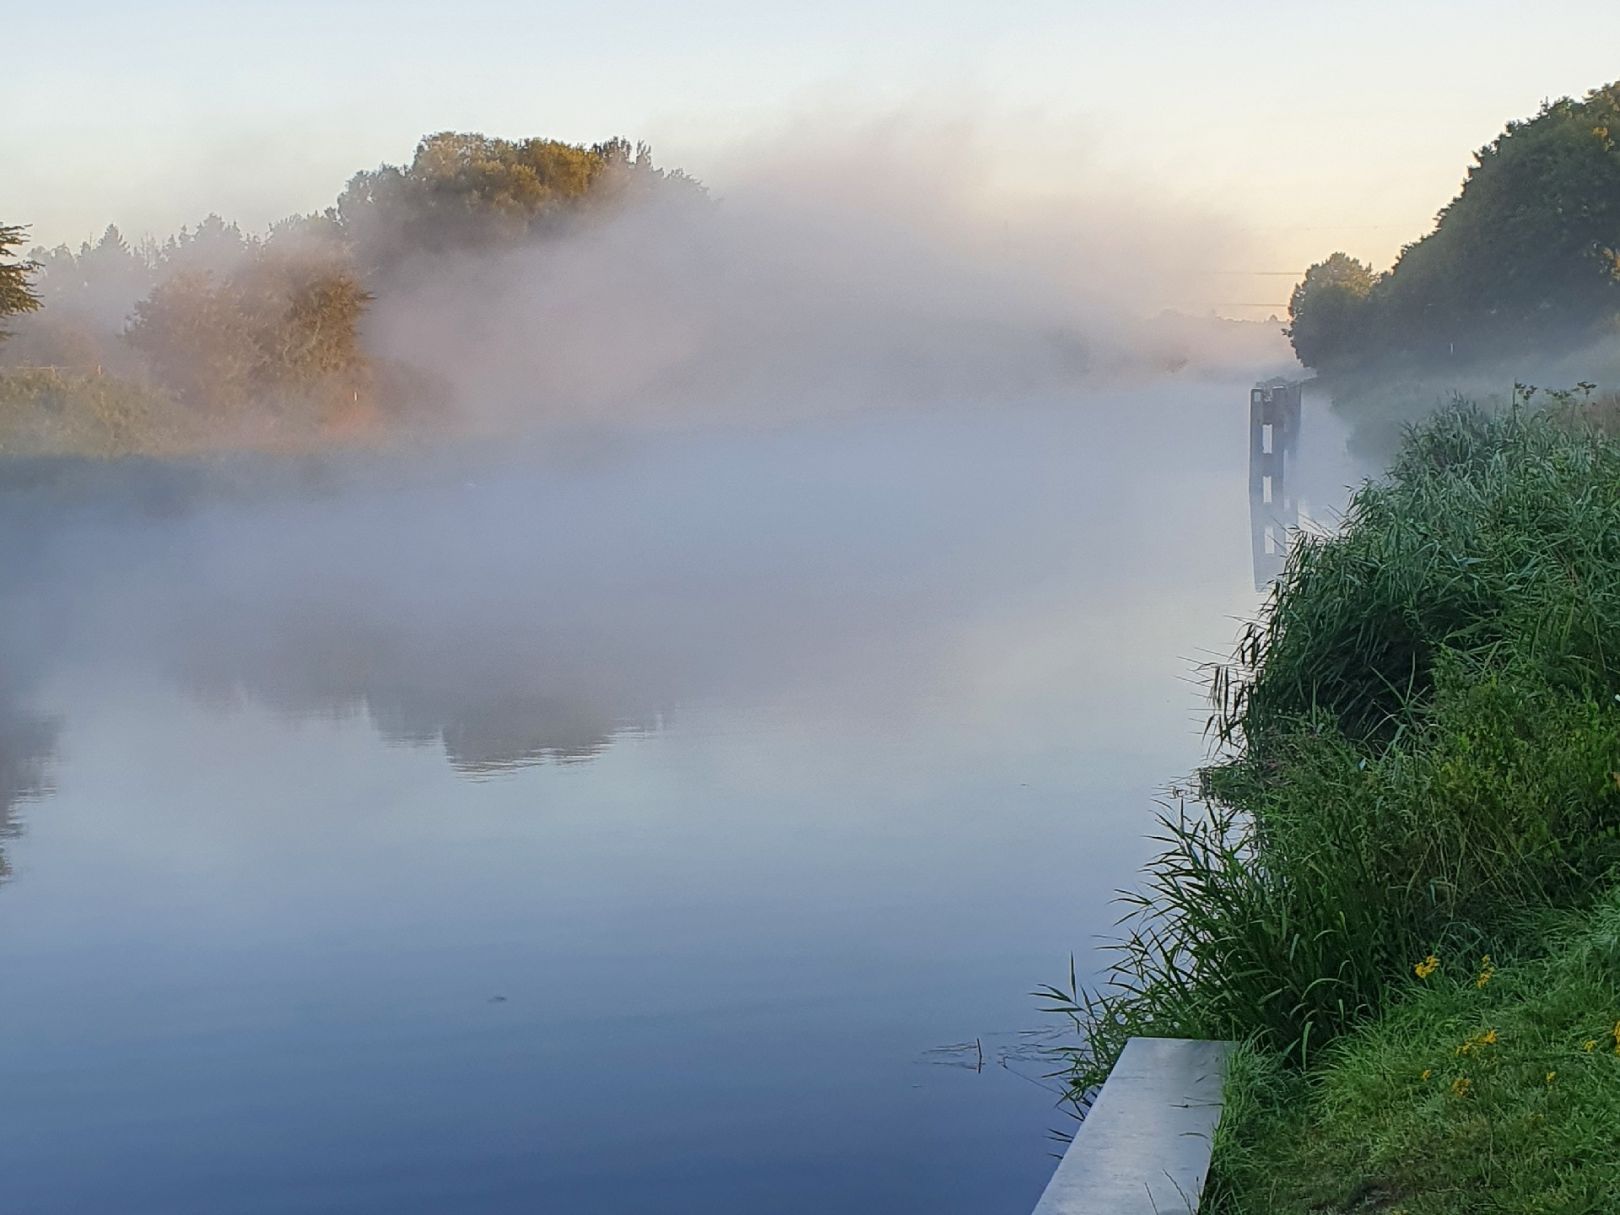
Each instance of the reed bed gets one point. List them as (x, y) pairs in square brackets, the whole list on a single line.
[(1417, 758)]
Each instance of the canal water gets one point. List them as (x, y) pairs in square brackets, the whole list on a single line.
[(661, 825)]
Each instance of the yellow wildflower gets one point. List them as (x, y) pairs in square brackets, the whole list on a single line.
[(1590, 1045), (1427, 1072), (1551, 1076), (1460, 1086), (1487, 971), (1488, 1038), (1426, 967)]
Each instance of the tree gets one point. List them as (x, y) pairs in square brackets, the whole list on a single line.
[(194, 335), (303, 306), (96, 286), (1326, 311), (283, 331), (466, 192), (258, 332), (212, 247), (1526, 258), (17, 294)]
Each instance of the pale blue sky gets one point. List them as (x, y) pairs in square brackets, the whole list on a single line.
[(1317, 129)]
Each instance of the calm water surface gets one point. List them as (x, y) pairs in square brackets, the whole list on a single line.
[(639, 829)]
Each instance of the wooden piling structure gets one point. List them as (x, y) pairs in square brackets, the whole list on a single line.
[(1274, 421)]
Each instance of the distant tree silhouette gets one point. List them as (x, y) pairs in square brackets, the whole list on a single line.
[(1327, 310), (1525, 258)]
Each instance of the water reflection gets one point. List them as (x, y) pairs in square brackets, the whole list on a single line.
[(27, 749), (492, 703), (529, 615), (523, 616), (872, 716)]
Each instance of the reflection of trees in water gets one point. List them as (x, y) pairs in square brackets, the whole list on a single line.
[(497, 732), (27, 746), (491, 699)]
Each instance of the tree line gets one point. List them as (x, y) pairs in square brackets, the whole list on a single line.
[(1525, 259), (214, 330)]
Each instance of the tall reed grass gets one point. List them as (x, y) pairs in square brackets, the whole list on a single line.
[(1419, 740)]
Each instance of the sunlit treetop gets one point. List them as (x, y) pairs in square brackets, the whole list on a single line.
[(469, 190)]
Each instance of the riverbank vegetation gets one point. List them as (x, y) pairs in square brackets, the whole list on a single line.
[(1526, 258), (1396, 886), (217, 339), (1518, 278)]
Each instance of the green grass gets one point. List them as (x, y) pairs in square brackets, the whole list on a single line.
[(1492, 541), (1421, 755), (1501, 1098)]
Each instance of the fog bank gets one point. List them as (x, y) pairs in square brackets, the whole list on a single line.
[(832, 269)]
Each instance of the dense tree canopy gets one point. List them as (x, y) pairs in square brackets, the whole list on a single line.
[(264, 334), (1526, 257), (282, 329), (465, 191), (1327, 310)]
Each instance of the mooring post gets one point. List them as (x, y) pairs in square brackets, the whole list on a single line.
[(1274, 422)]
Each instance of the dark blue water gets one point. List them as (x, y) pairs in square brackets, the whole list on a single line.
[(637, 828)]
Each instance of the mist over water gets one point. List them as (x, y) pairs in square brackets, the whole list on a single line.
[(835, 267), (632, 786), (536, 676), (636, 828)]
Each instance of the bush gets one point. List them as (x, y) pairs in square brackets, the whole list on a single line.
[(49, 411)]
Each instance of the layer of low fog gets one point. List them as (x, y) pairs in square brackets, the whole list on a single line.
[(830, 267), (1038, 420), (838, 269), (510, 610)]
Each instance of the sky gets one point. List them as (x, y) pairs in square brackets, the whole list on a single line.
[(1311, 130)]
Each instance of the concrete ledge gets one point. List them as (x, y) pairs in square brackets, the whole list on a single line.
[(1143, 1148)]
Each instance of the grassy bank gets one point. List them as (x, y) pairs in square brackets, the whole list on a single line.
[(64, 412), (55, 411), (1396, 886), (1501, 1096)]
